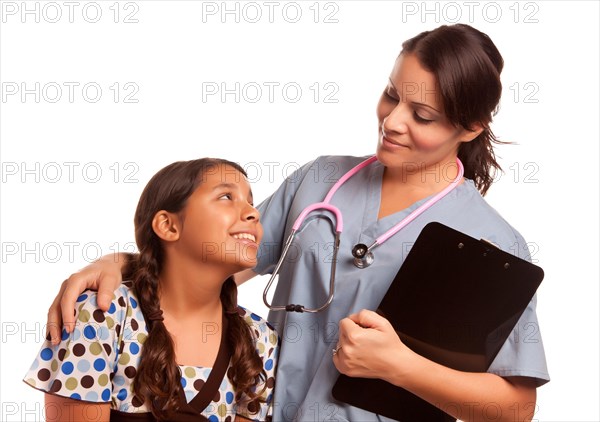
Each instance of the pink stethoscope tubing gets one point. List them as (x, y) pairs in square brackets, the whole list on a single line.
[(363, 255)]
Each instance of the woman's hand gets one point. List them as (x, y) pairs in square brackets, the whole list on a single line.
[(103, 275), (369, 346)]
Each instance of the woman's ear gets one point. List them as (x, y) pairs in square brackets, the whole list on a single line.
[(166, 225), (473, 132)]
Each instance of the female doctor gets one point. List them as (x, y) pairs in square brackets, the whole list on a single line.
[(434, 118)]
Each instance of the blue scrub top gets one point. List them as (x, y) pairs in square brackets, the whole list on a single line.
[(306, 373)]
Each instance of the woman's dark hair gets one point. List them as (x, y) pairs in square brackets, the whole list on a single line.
[(158, 379), (467, 67)]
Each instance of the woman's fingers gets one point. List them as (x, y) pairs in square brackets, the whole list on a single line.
[(54, 322), (75, 285)]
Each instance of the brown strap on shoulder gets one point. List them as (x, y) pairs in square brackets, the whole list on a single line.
[(191, 412), (218, 372)]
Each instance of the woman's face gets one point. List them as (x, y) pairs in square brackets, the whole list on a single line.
[(414, 132)]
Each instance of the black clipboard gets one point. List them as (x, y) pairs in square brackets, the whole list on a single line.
[(455, 300)]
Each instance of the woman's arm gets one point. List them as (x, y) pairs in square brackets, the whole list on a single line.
[(61, 409), (103, 275), (371, 348)]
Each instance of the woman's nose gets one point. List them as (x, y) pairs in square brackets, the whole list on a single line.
[(397, 120)]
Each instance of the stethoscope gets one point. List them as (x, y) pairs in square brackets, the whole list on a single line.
[(363, 254)]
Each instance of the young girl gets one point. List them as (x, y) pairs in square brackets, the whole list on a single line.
[(174, 345)]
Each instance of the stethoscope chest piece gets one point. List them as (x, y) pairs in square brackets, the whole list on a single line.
[(363, 257)]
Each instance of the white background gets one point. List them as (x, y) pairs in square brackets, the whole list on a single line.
[(56, 217)]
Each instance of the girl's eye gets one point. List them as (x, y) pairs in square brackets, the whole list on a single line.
[(420, 119), (226, 196)]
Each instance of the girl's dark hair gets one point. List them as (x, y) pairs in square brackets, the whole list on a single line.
[(158, 379), (467, 67)]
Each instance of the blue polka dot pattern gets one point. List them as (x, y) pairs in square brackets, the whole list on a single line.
[(83, 365), (67, 368), (92, 396), (98, 361), (99, 364), (46, 354), (89, 332)]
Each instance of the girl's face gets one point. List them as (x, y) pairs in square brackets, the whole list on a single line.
[(414, 132), (219, 223)]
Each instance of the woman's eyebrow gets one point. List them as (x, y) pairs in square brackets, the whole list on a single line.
[(428, 106), (414, 102)]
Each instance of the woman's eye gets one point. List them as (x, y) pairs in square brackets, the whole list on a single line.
[(391, 94), (421, 119)]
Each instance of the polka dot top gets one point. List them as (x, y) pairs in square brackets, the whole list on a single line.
[(98, 361)]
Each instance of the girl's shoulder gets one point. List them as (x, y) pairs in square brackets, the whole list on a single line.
[(124, 311), (87, 362), (263, 332), (124, 297)]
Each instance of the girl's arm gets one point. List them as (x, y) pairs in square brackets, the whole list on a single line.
[(61, 409), (370, 348)]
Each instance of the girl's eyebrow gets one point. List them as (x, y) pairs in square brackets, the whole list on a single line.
[(414, 102), (224, 185), (227, 185)]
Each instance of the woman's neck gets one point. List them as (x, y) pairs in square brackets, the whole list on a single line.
[(403, 186)]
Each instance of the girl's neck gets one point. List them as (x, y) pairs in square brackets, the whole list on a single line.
[(190, 291)]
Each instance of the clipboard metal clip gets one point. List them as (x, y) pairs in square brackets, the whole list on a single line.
[(489, 243)]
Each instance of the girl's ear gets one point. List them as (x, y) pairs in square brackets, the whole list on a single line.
[(166, 225)]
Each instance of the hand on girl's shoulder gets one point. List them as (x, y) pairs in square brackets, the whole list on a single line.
[(81, 365)]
